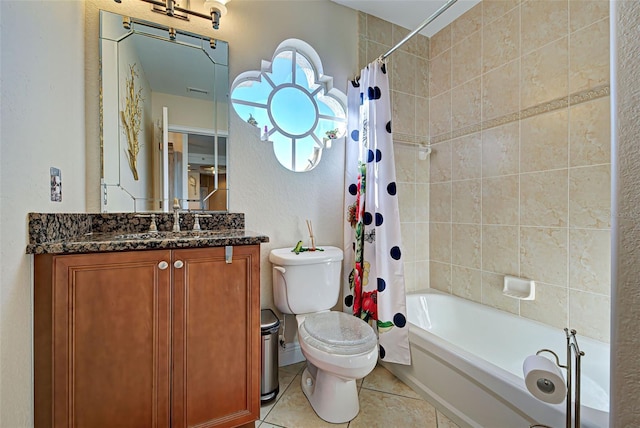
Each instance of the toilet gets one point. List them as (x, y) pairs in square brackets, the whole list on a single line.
[(339, 347)]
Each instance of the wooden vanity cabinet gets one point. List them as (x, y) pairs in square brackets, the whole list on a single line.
[(160, 338), (216, 338)]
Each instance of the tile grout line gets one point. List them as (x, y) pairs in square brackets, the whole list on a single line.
[(283, 393), (394, 394)]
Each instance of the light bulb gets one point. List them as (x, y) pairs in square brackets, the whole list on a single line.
[(219, 5), (216, 8)]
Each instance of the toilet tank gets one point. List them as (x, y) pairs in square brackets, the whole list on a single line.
[(306, 282)]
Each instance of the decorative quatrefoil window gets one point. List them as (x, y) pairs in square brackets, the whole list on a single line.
[(293, 104)]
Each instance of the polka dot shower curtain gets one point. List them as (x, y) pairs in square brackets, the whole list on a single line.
[(374, 276)]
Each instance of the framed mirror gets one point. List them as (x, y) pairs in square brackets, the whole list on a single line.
[(164, 117)]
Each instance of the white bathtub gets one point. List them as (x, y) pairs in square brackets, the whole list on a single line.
[(467, 359)]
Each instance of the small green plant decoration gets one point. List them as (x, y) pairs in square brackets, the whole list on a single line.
[(132, 119), (332, 134)]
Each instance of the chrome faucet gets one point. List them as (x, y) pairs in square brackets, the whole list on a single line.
[(196, 221), (153, 228), (176, 220)]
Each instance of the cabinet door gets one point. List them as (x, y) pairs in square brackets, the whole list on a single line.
[(110, 344), (216, 337)]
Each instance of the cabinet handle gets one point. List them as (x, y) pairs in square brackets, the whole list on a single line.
[(178, 264), (163, 265)]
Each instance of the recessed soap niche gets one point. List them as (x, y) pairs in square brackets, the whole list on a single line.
[(519, 288)]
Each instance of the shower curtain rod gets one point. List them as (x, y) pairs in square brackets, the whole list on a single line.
[(426, 22)]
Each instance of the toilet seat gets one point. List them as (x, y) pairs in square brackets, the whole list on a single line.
[(337, 333)]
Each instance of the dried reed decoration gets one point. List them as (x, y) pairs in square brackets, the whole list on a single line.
[(313, 242), (132, 119)]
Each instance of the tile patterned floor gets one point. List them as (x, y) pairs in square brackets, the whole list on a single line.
[(384, 402)]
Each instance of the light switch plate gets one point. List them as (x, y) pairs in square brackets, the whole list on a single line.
[(56, 184)]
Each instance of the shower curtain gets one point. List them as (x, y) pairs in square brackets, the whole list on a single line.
[(374, 275)]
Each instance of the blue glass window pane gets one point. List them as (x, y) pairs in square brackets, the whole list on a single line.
[(281, 71), (324, 109), (325, 125), (327, 103), (293, 111), (282, 147), (307, 154), (305, 73), (258, 114), (257, 92)]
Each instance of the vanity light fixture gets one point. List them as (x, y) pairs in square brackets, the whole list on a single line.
[(215, 9), (127, 23)]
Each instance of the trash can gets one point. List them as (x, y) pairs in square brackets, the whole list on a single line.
[(269, 326)]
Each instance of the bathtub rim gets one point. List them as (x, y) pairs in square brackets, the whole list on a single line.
[(515, 387)]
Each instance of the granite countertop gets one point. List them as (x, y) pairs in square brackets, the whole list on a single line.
[(90, 233)]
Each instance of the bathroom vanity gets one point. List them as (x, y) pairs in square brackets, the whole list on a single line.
[(137, 329)]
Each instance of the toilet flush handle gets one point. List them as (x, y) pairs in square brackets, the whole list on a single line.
[(280, 269)]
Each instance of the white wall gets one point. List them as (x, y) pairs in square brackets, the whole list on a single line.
[(42, 116), (625, 324), (50, 119), (183, 111)]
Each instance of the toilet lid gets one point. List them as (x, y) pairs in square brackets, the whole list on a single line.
[(337, 333)]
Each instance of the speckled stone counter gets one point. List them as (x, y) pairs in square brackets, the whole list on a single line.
[(89, 233)]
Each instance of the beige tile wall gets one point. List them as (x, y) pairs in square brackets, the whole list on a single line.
[(520, 173), (409, 79)]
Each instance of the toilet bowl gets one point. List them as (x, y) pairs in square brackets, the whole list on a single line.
[(343, 350), (339, 347)]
